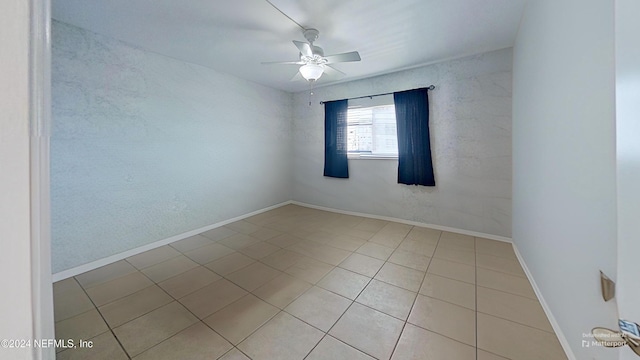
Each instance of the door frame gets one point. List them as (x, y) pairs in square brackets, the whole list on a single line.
[(40, 160), (627, 72)]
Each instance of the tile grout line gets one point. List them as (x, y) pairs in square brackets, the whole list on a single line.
[(354, 301), (251, 292), (103, 319), (122, 297), (251, 333), (444, 301), (153, 283), (174, 299), (450, 278), (516, 322), (137, 317), (282, 310), (242, 352), (189, 310), (502, 272), (228, 351), (159, 262), (508, 292), (347, 309), (333, 267), (477, 310), (248, 292), (200, 320), (439, 334), (417, 294)]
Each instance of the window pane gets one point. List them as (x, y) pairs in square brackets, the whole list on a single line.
[(372, 130), (384, 130)]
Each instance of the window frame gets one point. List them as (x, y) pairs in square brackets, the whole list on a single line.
[(369, 103)]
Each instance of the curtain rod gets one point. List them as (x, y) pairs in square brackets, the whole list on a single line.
[(430, 87)]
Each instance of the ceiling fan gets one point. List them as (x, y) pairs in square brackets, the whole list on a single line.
[(313, 61)]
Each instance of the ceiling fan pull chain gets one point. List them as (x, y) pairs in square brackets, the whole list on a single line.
[(312, 85)]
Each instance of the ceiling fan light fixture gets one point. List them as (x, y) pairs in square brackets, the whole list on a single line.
[(311, 72)]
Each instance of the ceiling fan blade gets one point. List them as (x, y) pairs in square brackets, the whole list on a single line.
[(333, 72), (345, 57), (282, 62), (297, 77), (304, 48)]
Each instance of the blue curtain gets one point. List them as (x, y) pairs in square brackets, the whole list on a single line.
[(335, 139), (414, 149)]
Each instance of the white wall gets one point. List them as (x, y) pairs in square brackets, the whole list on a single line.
[(564, 211), (145, 147), (15, 251), (470, 126)]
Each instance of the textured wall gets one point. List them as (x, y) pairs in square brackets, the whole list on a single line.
[(471, 145), (145, 147)]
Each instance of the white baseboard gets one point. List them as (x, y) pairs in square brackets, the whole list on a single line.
[(554, 324), (123, 255), (408, 222), (117, 257)]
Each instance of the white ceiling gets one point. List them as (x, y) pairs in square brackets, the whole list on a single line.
[(234, 36)]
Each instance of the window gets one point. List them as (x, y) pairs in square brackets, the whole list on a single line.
[(371, 132)]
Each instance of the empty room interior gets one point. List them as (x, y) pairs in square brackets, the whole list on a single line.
[(282, 179)]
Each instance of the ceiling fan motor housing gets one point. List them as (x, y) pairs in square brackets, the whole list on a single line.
[(311, 35)]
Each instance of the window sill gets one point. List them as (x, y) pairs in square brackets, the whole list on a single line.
[(371, 157)]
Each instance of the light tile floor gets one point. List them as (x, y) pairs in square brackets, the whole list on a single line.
[(299, 283)]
